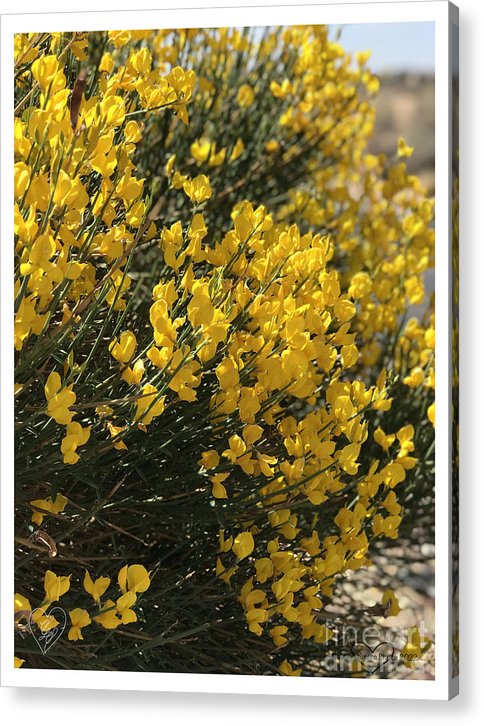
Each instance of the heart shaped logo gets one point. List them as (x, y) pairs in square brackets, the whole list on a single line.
[(373, 658), (45, 639)]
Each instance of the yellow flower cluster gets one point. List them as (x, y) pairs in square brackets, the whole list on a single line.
[(132, 579), (276, 323), (416, 356), (59, 401), (57, 145)]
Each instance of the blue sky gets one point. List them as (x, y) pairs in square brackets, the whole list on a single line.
[(395, 46)]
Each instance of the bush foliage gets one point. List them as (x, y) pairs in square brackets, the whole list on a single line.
[(224, 348)]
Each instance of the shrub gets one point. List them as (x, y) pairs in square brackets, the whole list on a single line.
[(223, 400)]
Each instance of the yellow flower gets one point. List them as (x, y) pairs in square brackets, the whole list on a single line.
[(200, 307), (286, 669), (96, 588), (21, 603), (363, 56), (243, 545), (204, 150), (123, 606), (55, 585), (252, 433), (134, 578), (344, 310), (107, 617), (249, 405), (124, 349), (236, 448), (59, 399), (390, 599), (79, 619), (414, 648), (54, 507), (393, 474), (272, 146), (227, 374), (149, 405), (183, 379), (115, 431), (218, 489), (387, 526), (277, 633), (75, 436), (245, 96), (44, 70), (119, 38), (140, 62), (383, 439), (198, 189), (280, 90), (134, 375), (403, 149), (237, 150), (349, 355), (255, 616), (391, 503), (416, 377), (17, 662), (21, 179), (415, 290), (361, 285), (132, 132), (347, 458), (112, 111), (430, 338), (210, 459), (264, 569), (312, 544)]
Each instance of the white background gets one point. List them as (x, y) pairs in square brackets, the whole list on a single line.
[(77, 707)]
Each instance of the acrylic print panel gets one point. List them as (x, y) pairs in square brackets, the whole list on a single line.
[(225, 273)]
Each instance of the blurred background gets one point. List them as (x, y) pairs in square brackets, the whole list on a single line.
[(403, 56)]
